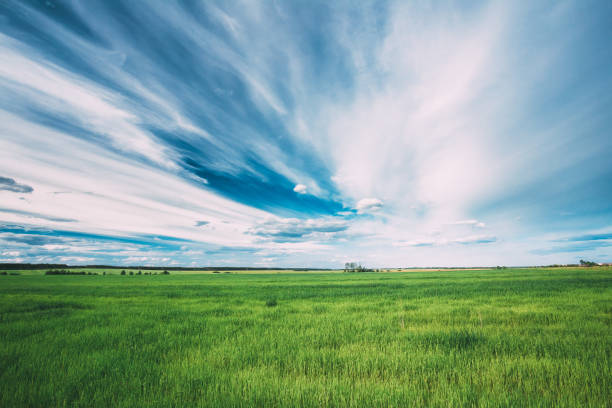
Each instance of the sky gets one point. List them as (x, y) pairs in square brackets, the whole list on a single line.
[(305, 133)]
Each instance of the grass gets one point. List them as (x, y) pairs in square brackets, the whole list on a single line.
[(515, 337)]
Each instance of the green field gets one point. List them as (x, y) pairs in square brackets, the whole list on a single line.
[(515, 337)]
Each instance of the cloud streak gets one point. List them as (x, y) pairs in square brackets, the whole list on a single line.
[(8, 184)]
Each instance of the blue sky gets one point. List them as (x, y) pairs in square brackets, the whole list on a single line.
[(288, 133)]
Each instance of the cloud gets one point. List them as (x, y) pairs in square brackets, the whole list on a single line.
[(293, 229), (201, 223), (8, 184), (573, 247), (36, 240), (368, 205), (81, 259), (590, 237), (300, 188), (233, 250), (474, 223), (578, 243), (476, 239), (440, 241), (29, 214), (417, 243)]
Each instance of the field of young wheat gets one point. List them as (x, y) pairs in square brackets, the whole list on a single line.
[(514, 337)]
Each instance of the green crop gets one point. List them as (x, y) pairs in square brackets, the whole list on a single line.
[(512, 337)]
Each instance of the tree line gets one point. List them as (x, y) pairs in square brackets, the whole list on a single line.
[(354, 267)]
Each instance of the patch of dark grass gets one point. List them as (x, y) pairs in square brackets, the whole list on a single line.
[(318, 309), (41, 306), (453, 340), (220, 312)]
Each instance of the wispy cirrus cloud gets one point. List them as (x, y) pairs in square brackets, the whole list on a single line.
[(36, 215)]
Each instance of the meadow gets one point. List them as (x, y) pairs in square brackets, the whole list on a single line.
[(513, 337)]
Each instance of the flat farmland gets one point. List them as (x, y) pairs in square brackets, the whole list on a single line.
[(512, 337)]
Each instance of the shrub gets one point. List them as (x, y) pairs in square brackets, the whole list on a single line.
[(166, 273), (131, 272), (139, 272), (123, 272), (271, 302), (4, 273)]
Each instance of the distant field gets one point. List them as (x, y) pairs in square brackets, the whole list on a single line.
[(113, 271), (514, 337)]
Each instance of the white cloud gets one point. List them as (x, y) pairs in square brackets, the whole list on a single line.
[(474, 223), (476, 239), (418, 242), (12, 260), (300, 188), (294, 229), (441, 241), (368, 205), (75, 259)]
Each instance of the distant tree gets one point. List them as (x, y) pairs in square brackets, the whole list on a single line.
[(355, 267), (139, 272), (123, 272), (587, 263), (131, 272), (166, 273)]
